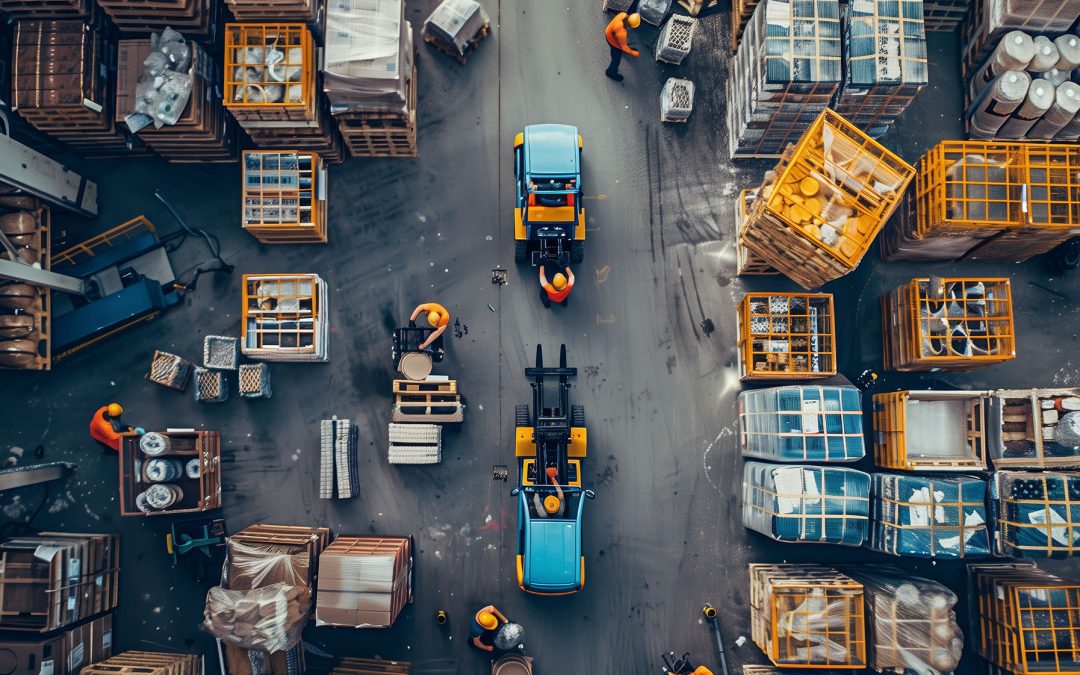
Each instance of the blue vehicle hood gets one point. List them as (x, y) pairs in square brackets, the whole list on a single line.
[(553, 560), (551, 149)]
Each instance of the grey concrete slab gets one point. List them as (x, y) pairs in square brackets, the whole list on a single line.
[(663, 535)]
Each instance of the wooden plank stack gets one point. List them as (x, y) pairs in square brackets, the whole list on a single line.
[(204, 132), (284, 198), (271, 88), (773, 96), (364, 582), (25, 309), (196, 19), (148, 663), (61, 85), (262, 11), (817, 214)]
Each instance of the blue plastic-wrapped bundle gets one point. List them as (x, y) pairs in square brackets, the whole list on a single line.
[(1036, 515), (828, 505), (802, 424), (940, 517)]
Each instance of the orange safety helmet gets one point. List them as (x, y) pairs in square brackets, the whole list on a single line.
[(115, 410), (559, 281), (552, 504), (634, 20), (434, 318), (487, 621)]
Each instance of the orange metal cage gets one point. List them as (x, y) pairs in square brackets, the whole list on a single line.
[(909, 434), (280, 313), (786, 336), (282, 199), (270, 66)]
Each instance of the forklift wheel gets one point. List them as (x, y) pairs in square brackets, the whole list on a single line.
[(521, 416), (521, 250), (577, 252), (577, 416)]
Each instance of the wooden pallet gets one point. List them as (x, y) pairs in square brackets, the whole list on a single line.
[(352, 666), (427, 386), (382, 134), (429, 412), (470, 46)]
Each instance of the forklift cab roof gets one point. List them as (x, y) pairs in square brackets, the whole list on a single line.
[(552, 150), (552, 552)]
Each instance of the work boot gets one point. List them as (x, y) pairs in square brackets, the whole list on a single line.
[(615, 76)]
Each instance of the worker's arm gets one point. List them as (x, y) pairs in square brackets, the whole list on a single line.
[(480, 645), (416, 312), (543, 277), (433, 337), (569, 278), (502, 617)]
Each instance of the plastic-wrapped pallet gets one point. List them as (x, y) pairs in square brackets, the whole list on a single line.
[(676, 38), (270, 618), (653, 11), (337, 450), (455, 22), (368, 56), (415, 443), (911, 621), (676, 100), (618, 5), (942, 517), (828, 505), (1036, 515), (803, 423)]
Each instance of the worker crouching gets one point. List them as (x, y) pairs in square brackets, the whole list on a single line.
[(106, 427), (558, 289)]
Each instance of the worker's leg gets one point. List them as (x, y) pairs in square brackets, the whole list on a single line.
[(566, 301), (544, 298), (613, 68)]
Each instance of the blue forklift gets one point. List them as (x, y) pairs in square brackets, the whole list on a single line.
[(549, 215), (550, 442)]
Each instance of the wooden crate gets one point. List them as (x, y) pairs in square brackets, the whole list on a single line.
[(26, 320), (784, 336), (200, 494), (248, 11), (1028, 420), (747, 263), (816, 220), (776, 594), (284, 196), (382, 134), (351, 666), (195, 19), (948, 323), (148, 663), (931, 430)]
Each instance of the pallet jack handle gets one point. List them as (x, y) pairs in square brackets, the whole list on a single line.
[(714, 623)]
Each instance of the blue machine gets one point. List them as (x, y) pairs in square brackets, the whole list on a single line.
[(549, 216), (550, 562)]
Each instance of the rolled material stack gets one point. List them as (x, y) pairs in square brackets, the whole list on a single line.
[(989, 20), (806, 504), (1024, 90), (25, 310), (773, 96)]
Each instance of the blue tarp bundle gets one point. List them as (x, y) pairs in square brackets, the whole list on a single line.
[(941, 517), (802, 424), (806, 503), (1036, 515)]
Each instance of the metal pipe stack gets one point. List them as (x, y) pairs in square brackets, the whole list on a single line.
[(784, 74)]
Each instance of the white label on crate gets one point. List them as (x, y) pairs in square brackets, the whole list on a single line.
[(96, 107), (810, 419), (106, 639), (71, 604), (74, 567), (321, 193), (99, 581), (46, 667), (75, 659)]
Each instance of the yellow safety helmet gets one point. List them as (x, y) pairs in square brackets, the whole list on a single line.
[(634, 20), (559, 281), (115, 410), (434, 318), (487, 621), (551, 504)]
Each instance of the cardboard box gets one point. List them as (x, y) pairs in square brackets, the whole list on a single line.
[(61, 654), (364, 582)]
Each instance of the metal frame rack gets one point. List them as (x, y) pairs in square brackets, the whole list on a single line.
[(931, 430), (285, 317), (784, 336), (284, 197)]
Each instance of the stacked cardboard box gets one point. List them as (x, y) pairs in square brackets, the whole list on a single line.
[(55, 579), (63, 653), (364, 582)]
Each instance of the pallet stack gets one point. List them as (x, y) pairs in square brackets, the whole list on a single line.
[(204, 132), (196, 19), (148, 663), (826, 427), (364, 582), (25, 309), (806, 504), (285, 318), (62, 86), (271, 88), (932, 430), (773, 96), (352, 666), (741, 13), (456, 28), (943, 517), (338, 477), (284, 198), (63, 652), (420, 410), (370, 77), (818, 212), (270, 11), (967, 203), (943, 16), (807, 616), (747, 263), (885, 62), (786, 336), (948, 324)]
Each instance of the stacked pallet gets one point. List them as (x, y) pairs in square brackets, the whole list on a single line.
[(456, 28), (911, 621), (166, 473), (370, 78), (942, 517), (284, 198), (1037, 429), (56, 579), (285, 318), (352, 666), (270, 11), (204, 132), (948, 324), (61, 85), (364, 582), (943, 16), (806, 504), (421, 407), (741, 12), (148, 663), (271, 88), (807, 616), (785, 336), (818, 212), (338, 477), (932, 430), (747, 263), (196, 19), (801, 424), (885, 62), (1023, 90), (968, 203), (47, 9), (1024, 618), (1035, 515), (784, 74), (989, 20), (25, 310)]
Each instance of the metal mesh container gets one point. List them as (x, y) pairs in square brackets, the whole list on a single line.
[(943, 517), (802, 424), (676, 38), (806, 504), (221, 353), (255, 380), (211, 386), (676, 100), (169, 370)]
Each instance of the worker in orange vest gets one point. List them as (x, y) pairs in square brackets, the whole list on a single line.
[(558, 289), (618, 38), (105, 426), (438, 317)]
